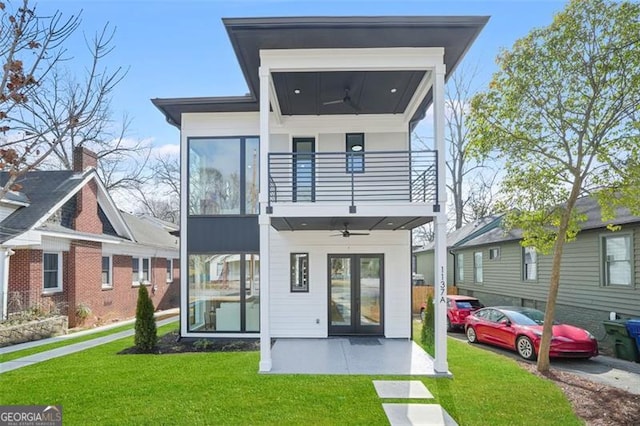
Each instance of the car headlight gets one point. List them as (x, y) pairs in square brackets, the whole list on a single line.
[(537, 332)]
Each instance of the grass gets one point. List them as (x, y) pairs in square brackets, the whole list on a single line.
[(98, 386), (64, 342)]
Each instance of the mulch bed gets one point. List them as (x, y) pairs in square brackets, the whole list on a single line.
[(171, 343), (595, 403)]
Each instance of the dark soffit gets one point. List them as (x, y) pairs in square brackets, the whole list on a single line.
[(249, 35)]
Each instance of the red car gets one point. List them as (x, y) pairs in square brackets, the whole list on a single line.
[(513, 327), (458, 308)]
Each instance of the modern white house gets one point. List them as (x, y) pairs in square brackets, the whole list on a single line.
[(299, 197)]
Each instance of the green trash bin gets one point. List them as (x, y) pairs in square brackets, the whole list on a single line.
[(624, 346)]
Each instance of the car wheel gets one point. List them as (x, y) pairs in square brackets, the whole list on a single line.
[(525, 349), (449, 326), (471, 335)]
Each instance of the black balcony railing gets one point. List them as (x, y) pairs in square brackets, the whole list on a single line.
[(373, 176)]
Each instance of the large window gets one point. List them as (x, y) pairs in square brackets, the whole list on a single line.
[(529, 264), (106, 272), (616, 257), (460, 267), (223, 176), (52, 271), (477, 267), (224, 293)]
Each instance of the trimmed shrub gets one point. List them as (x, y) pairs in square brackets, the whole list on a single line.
[(427, 335), (146, 335)]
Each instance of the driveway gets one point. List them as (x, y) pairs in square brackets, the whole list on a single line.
[(601, 369)]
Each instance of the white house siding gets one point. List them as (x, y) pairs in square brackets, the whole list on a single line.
[(5, 211), (305, 314), (55, 244)]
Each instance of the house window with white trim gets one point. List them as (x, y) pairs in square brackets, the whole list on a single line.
[(52, 271), (140, 270), (616, 258), (477, 267), (529, 264), (107, 263), (169, 270), (460, 266), (494, 253)]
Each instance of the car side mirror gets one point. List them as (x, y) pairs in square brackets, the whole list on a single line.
[(505, 322)]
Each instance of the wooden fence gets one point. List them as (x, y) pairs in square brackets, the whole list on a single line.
[(421, 293)]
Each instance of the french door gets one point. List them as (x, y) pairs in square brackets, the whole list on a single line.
[(356, 294)]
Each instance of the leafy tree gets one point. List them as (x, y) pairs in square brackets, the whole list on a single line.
[(146, 335), (39, 106), (563, 114)]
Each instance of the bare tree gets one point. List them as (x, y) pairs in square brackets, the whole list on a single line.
[(32, 119), (470, 182), (122, 160), (164, 202)]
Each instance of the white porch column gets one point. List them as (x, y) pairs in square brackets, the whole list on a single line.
[(440, 227), (264, 222), (5, 254)]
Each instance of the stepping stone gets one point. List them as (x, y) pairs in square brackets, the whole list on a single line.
[(405, 389), (417, 414)]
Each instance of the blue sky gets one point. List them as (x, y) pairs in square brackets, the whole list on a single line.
[(180, 48)]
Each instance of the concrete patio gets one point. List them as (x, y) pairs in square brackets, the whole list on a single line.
[(351, 355)]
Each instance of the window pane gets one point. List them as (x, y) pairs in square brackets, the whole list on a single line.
[(50, 261), (214, 176), (214, 292), (50, 270), (252, 175), (618, 260), (252, 288), (145, 269), (355, 153), (135, 269), (461, 267), (477, 256), (299, 272), (106, 270)]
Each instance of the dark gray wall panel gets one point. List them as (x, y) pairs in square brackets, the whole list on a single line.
[(224, 234)]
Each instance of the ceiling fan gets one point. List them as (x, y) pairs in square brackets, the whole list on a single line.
[(346, 99), (346, 233)]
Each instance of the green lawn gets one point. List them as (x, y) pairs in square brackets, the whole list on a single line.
[(97, 386), (64, 342)]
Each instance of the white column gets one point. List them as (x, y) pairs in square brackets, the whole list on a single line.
[(5, 254), (264, 222), (440, 227)]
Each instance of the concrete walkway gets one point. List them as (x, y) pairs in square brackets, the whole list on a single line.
[(72, 348)]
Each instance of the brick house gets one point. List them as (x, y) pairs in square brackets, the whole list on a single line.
[(65, 244)]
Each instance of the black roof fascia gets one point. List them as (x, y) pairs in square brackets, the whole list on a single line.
[(349, 32)]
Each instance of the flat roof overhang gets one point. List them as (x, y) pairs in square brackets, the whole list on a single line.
[(353, 223), (249, 36)]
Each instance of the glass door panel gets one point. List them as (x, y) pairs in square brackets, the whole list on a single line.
[(370, 286), (341, 295)]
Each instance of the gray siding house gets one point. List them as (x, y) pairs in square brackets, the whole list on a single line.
[(600, 271), (423, 257)]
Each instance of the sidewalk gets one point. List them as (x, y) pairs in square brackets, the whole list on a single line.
[(72, 348)]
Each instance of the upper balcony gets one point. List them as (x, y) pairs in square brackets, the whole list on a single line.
[(375, 184)]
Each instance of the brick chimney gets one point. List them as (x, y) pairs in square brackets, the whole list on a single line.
[(83, 159), (87, 219)]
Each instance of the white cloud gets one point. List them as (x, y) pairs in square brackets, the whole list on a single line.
[(166, 150)]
